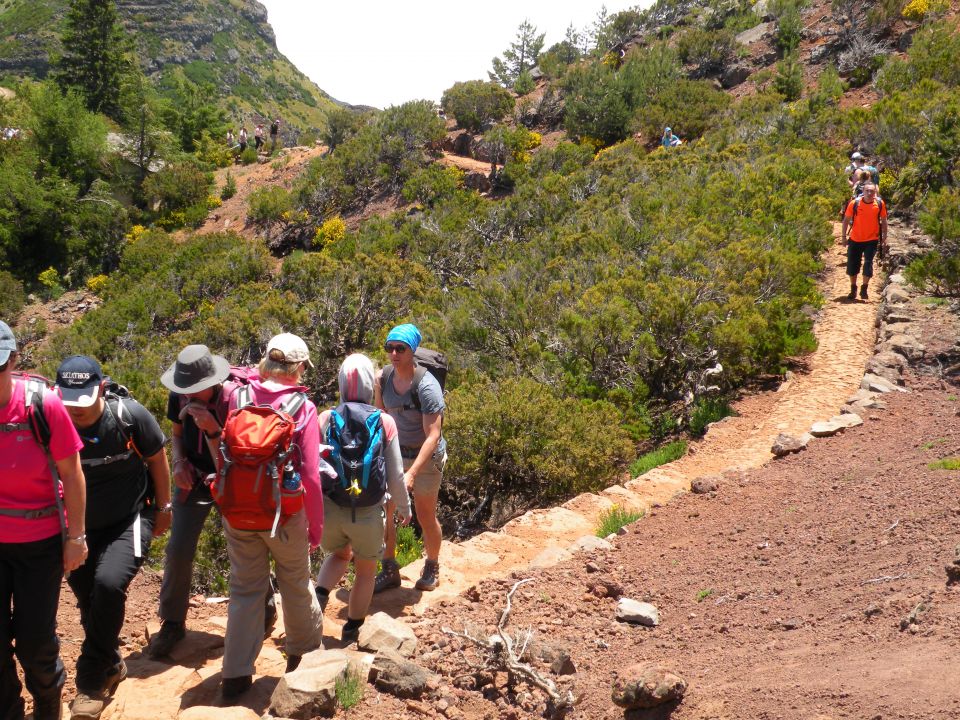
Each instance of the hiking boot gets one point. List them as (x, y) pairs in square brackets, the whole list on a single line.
[(430, 577), (350, 635), (853, 293), (388, 577), (171, 632), (293, 662), (269, 619), (50, 708), (323, 599), (233, 688), (117, 674), (863, 292), (87, 706)]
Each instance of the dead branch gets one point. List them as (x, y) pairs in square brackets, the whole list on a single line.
[(885, 578), (500, 648)]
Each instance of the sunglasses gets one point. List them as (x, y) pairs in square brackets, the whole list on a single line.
[(398, 348)]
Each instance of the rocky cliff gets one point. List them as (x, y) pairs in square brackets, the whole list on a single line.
[(228, 43)]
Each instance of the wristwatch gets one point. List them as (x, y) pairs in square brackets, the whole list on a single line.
[(79, 539)]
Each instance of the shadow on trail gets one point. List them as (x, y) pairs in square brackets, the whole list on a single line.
[(257, 698)]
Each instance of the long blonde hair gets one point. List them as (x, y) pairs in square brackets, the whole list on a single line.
[(275, 366)]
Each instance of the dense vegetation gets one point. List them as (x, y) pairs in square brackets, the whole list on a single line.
[(603, 307)]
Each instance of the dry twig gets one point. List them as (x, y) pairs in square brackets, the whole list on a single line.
[(885, 578)]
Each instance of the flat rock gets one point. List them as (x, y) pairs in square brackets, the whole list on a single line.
[(898, 316), (895, 294), (393, 673), (888, 359), (206, 712), (637, 612), (755, 34), (589, 544), (875, 383), (906, 345), (786, 444), (899, 328), (381, 632), (647, 685), (309, 690), (706, 484), (826, 428), (550, 557)]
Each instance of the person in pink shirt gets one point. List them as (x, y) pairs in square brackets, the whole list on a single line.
[(41, 537), (250, 551)]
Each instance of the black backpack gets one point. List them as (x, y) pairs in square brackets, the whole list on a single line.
[(274, 127), (356, 438), (427, 361)]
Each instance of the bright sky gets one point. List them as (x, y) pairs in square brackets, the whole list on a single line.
[(385, 52)]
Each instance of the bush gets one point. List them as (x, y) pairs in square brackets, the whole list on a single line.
[(409, 546), (789, 28), (229, 187), (524, 83), (331, 232), (939, 270), (97, 284), (12, 297), (348, 687), (342, 124), (660, 456), (248, 156), (177, 186), (614, 519), (707, 411), (475, 103), (861, 59), (688, 107), (432, 184), (51, 282), (268, 205), (707, 50), (520, 444), (789, 79)]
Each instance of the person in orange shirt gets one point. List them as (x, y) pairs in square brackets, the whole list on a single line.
[(864, 232)]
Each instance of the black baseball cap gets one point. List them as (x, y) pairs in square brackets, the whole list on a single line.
[(78, 380)]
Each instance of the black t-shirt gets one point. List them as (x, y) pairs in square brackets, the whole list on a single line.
[(117, 490), (193, 442)]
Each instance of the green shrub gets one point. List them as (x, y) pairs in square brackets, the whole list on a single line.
[(342, 124), (660, 456), (431, 184), (707, 50), (614, 519), (229, 187), (308, 138), (211, 565), (945, 464), (688, 107), (938, 271), (521, 443), (789, 78), (177, 186), (248, 156), (12, 297), (409, 546), (524, 83), (268, 205), (706, 411), (789, 28), (475, 103)]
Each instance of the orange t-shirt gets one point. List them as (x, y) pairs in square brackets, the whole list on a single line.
[(866, 226)]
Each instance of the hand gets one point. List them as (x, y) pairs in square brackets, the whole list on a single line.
[(74, 555), (406, 517), (162, 523), (202, 417), (408, 479), (183, 475)]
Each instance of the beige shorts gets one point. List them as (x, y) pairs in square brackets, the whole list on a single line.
[(364, 536), (427, 481)]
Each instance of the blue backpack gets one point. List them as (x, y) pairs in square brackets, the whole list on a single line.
[(355, 435)]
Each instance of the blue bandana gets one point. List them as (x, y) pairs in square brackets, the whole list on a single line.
[(406, 333)]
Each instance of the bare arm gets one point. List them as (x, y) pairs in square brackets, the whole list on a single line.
[(75, 504), (159, 470), (843, 228)]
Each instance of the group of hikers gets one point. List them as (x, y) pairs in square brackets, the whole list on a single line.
[(241, 140), (85, 486), (864, 226)]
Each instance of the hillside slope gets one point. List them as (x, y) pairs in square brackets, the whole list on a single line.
[(227, 43)]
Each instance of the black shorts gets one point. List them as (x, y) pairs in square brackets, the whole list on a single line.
[(861, 250)]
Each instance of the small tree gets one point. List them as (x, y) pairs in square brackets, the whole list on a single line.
[(521, 55), (789, 79), (93, 61), (789, 28), (476, 102)]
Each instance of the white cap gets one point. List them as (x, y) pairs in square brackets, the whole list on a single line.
[(294, 349), (856, 156)]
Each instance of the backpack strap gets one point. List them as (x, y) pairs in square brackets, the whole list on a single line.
[(244, 396), (34, 389), (292, 405), (375, 433), (418, 374), (122, 425)]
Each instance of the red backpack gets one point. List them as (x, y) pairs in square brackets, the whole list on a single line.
[(258, 486)]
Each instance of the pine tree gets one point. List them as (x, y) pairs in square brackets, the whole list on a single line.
[(93, 60), (520, 56)]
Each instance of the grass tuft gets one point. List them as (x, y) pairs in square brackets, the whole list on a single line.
[(660, 456), (945, 464), (615, 518), (348, 688)]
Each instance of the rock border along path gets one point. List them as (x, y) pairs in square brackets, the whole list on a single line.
[(846, 332)]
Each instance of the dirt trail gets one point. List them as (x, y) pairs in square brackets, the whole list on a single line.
[(465, 163)]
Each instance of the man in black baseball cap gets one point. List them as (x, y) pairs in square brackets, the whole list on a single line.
[(128, 504)]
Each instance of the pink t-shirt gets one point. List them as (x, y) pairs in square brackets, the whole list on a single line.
[(25, 480)]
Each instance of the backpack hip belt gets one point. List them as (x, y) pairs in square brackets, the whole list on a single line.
[(108, 460), (410, 452), (30, 514)]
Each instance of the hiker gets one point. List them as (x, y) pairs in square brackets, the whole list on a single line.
[(41, 535), (669, 139), (128, 503), (354, 522), (258, 137), (858, 164), (422, 448), (864, 232), (196, 410), (862, 177), (274, 132), (230, 140), (243, 139), (251, 521)]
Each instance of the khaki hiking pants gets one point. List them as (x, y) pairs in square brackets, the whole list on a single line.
[(250, 554)]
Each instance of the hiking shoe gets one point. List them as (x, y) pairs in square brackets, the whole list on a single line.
[(293, 662), (233, 688), (863, 292), (117, 674), (87, 706), (323, 599), (350, 635), (171, 632), (269, 619), (853, 293), (388, 577), (430, 577)]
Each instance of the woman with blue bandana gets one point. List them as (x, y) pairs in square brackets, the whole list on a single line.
[(414, 399)]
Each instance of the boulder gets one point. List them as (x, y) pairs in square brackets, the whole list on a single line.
[(550, 557), (647, 686), (819, 54), (786, 444), (888, 359), (888, 373), (637, 612), (705, 484), (393, 673), (875, 383), (589, 544), (756, 33), (895, 294), (906, 345), (205, 712), (826, 428), (477, 181), (899, 328), (381, 632), (735, 75), (310, 690)]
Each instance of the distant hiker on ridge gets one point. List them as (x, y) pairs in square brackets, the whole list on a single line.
[(258, 137), (243, 139), (866, 220), (274, 132)]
